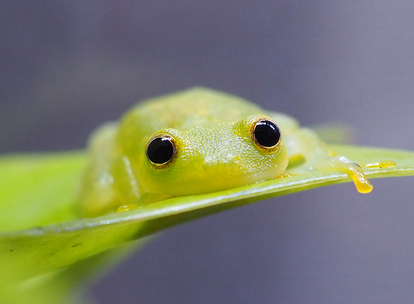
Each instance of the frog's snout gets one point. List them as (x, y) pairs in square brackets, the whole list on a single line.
[(228, 159)]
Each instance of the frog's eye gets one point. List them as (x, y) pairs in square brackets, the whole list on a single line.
[(161, 150), (266, 134)]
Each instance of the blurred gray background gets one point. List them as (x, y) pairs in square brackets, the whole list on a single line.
[(68, 66)]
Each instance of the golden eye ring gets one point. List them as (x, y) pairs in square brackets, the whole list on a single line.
[(266, 134), (161, 150)]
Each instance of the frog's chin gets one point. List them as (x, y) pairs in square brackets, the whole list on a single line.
[(150, 197), (204, 183)]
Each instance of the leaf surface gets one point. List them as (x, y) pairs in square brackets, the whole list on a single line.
[(42, 234)]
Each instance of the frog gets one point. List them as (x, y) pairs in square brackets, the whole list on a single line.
[(198, 141)]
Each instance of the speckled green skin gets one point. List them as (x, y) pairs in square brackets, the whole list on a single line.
[(215, 150)]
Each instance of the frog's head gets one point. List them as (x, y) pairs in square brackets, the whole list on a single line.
[(212, 157)]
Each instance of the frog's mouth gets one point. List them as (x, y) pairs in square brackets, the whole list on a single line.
[(214, 172)]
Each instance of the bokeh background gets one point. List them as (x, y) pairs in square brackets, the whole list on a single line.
[(68, 66)]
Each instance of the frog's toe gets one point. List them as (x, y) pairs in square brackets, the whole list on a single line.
[(352, 169)]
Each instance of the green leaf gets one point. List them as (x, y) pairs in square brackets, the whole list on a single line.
[(45, 246)]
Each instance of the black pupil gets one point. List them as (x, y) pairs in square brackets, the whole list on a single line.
[(160, 150), (266, 133)]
